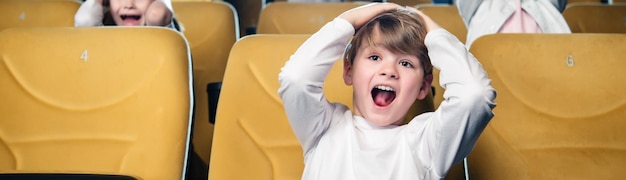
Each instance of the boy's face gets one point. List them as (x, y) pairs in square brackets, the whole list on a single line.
[(385, 83), (129, 12)]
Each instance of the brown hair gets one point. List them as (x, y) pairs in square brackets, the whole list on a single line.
[(401, 31)]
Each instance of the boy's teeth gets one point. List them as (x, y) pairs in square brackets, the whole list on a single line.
[(384, 88)]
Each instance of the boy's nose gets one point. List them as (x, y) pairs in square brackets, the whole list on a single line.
[(389, 70)]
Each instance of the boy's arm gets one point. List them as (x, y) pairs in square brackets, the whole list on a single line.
[(302, 78), (89, 14), (468, 99), (452, 130)]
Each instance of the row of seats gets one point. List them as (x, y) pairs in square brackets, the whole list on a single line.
[(559, 114), (202, 38), (249, 10), (306, 18), (212, 57)]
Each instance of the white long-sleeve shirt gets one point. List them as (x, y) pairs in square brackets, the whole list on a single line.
[(340, 145)]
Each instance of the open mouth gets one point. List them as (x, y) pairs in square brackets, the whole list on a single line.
[(130, 17), (383, 95)]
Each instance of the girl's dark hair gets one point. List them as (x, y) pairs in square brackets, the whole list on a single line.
[(401, 31), (107, 19)]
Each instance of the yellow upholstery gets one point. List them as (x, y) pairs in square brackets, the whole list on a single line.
[(211, 29), (37, 13), (447, 16), (596, 18), (556, 118), (94, 100), (248, 13), (299, 18), (253, 139)]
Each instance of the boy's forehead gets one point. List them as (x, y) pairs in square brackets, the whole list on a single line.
[(372, 39)]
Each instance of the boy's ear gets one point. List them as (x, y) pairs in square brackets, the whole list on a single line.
[(347, 72), (425, 89)]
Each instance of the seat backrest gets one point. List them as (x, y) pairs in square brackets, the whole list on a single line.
[(596, 17), (95, 100), (252, 138), (37, 13), (448, 17), (211, 29), (299, 18), (560, 107), (248, 12)]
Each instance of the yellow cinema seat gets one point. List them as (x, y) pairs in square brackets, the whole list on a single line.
[(211, 29), (560, 107), (596, 18), (253, 139), (448, 17), (37, 13), (95, 101), (299, 18)]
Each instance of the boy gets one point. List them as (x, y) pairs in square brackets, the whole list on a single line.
[(387, 63), (125, 13)]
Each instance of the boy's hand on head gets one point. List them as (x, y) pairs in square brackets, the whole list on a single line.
[(360, 15), (430, 24)]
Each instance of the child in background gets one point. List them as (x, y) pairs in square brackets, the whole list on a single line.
[(484, 17), (125, 13), (388, 63)]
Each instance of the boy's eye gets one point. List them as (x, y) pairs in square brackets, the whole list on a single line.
[(406, 64), (374, 57)]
